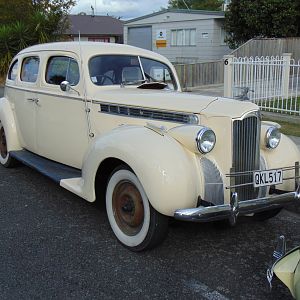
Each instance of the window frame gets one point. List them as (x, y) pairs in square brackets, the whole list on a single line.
[(185, 34), (139, 57), (60, 55), (22, 65), (16, 61)]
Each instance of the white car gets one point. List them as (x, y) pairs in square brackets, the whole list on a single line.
[(110, 122)]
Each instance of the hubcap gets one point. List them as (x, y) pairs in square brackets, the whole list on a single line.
[(3, 146), (128, 208)]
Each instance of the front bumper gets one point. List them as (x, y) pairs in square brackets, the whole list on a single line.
[(235, 208)]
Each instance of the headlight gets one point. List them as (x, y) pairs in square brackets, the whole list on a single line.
[(206, 140), (273, 136)]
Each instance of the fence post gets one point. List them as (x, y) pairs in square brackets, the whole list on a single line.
[(286, 74), (228, 75)]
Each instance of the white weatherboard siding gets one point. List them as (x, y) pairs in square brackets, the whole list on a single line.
[(209, 44)]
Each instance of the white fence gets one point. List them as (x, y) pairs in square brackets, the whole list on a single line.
[(271, 82)]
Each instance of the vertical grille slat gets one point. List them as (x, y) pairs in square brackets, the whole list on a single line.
[(246, 156)]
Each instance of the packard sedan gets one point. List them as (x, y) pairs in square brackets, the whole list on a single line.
[(110, 122)]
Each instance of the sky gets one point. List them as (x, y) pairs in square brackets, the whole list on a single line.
[(126, 9)]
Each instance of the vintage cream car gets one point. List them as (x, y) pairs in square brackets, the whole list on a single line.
[(110, 122)]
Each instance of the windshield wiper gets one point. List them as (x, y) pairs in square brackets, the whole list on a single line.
[(123, 83), (153, 85)]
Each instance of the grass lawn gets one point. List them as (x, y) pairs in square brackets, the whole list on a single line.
[(286, 127), (289, 104)]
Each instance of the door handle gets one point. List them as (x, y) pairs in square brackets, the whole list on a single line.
[(35, 100)]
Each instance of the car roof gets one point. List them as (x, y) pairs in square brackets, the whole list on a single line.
[(94, 48)]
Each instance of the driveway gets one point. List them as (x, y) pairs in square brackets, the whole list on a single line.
[(56, 245)]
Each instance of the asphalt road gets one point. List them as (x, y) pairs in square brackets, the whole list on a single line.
[(56, 245)]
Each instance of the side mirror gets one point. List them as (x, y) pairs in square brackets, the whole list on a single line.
[(65, 86)]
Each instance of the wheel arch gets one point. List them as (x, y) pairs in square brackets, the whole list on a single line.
[(166, 170), (103, 174)]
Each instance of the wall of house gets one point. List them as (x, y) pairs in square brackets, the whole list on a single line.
[(112, 39), (209, 42)]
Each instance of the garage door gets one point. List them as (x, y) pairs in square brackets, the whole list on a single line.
[(140, 37)]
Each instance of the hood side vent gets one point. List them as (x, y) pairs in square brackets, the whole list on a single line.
[(149, 114)]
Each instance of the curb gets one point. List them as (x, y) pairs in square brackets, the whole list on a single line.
[(281, 117)]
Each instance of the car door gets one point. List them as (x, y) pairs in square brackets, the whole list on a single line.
[(62, 133), (25, 100)]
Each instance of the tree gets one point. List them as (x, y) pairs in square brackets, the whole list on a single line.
[(196, 4), (39, 21), (261, 18)]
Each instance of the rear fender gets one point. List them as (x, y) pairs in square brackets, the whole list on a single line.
[(8, 121)]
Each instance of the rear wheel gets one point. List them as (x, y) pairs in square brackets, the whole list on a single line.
[(136, 224), (5, 159), (268, 214)]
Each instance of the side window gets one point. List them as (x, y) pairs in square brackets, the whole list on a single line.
[(12, 73), (30, 69), (60, 68)]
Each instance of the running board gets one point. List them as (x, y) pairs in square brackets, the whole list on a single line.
[(47, 167)]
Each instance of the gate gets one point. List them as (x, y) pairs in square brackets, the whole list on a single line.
[(272, 83)]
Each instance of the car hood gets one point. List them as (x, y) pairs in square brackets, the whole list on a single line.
[(155, 99), (174, 101)]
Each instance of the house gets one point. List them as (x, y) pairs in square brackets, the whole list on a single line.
[(183, 36), (95, 28)]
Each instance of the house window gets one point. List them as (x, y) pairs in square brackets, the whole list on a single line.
[(183, 37), (102, 39), (223, 36)]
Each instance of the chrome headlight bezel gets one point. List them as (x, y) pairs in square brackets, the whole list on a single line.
[(271, 134), (201, 138)]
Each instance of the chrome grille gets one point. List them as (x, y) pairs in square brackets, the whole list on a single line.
[(246, 154)]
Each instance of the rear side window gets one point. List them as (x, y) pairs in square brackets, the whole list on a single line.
[(13, 71), (61, 68), (30, 69)]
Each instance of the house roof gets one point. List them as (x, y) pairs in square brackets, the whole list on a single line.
[(212, 14), (94, 25)]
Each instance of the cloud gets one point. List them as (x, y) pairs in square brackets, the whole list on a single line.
[(120, 8)]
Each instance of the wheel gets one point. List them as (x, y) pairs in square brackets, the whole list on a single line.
[(5, 159), (268, 214), (135, 223)]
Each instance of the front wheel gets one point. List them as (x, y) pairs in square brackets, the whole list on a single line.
[(5, 158), (136, 224)]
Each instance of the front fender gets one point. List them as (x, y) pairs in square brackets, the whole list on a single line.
[(8, 121), (166, 170), (285, 155)]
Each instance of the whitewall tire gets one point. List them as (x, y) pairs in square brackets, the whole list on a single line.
[(5, 159), (135, 223)]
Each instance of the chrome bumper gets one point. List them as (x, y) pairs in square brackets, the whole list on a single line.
[(235, 208)]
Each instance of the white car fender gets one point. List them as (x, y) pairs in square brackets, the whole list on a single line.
[(8, 121), (285, 155), (166, 170)]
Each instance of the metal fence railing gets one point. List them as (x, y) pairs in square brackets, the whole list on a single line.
[(271, 82)]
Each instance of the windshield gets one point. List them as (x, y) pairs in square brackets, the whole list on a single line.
[(129, 70)]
